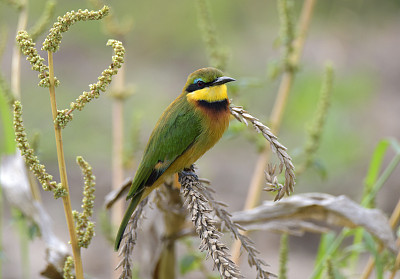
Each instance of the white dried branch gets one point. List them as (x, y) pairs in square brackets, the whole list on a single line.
[(15, 183), (338, 211)]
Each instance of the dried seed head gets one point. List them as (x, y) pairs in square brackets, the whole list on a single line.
[(243, 116)]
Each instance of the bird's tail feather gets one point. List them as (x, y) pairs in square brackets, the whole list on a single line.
[(134, 203)]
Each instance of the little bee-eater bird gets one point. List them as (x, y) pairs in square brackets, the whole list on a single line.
[(190, 126)]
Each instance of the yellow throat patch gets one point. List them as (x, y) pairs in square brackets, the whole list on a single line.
[(209, 94)]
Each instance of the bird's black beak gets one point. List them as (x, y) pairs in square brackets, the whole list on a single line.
[(222, 80)]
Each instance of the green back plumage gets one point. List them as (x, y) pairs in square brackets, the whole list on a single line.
[(177, 128)]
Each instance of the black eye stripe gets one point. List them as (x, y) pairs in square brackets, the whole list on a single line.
[(198, 85)]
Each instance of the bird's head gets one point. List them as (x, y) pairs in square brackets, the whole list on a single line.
[(207, 84)]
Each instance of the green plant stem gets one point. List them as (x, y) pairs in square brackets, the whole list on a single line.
[(283, 256), (63, 175), (383, 178), (254, 193)]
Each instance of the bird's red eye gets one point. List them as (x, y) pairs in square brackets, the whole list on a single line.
[(200, 83)]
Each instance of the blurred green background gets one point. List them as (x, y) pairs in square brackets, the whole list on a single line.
[(360, 38)]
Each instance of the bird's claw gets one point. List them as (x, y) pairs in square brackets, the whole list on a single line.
[(189, 172)]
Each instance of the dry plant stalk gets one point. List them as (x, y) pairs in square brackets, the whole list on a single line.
[(285, 161), (63, 174), (204, 224)]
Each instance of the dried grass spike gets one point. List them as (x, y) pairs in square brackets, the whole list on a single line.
[(234, 228), (199, 209)]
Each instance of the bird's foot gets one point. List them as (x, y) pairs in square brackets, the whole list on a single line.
[(189, 172)]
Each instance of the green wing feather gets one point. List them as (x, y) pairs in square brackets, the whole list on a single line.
[(176, 130)]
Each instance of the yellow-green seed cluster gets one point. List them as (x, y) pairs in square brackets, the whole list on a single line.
[(27, 47), (53, 40), (64, 116), (68, 266), (31, 159), (84, 227)]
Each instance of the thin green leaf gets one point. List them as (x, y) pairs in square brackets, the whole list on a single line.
[(371, 194), (8, 145), (188, 263), (376, 163), (325, 242), (373, 182)]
